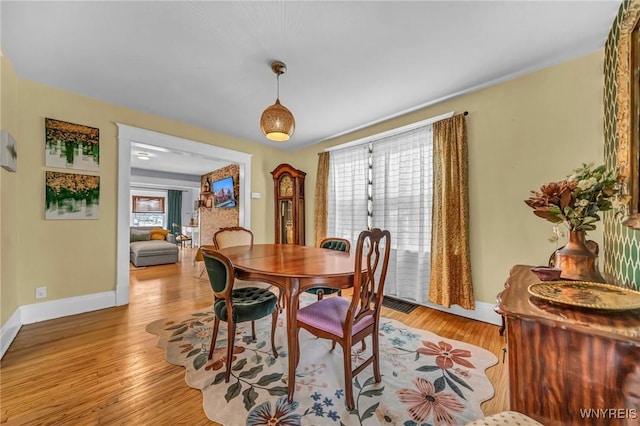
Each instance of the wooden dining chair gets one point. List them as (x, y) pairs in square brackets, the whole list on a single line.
[(238, 236), (349, 322), (331, 243), (236, 305), (200, 258), (180, 237), (233, 236)]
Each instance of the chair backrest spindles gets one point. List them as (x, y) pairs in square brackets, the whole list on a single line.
[(373, 248)]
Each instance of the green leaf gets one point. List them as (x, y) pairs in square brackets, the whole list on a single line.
[(459, 380), (261, 345), (455, 388), (177, 339), (439, 384), (356, 383), (175, 326), (180, 330), (233, 391), (428, 368), (269, 378), (249, 398), (219, 378), (371, 380), (252, 373), (239, 365), (256, 359), (278, 391), (200, 360), (194, 352), (369, 411), (373, 392)]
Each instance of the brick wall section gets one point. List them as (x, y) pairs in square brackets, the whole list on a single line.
[(212, 219)]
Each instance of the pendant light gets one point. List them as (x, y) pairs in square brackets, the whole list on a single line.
[(277, 122)]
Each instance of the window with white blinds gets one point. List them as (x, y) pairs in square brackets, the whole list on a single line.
[(387, 183), (348, 211)]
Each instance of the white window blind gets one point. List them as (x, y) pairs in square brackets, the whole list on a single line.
[(387, 183), (348, 185), (402, 170)]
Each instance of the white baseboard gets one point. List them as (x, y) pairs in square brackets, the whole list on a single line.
[(36, 312), (29, 314), (483, 312), (9, 331)]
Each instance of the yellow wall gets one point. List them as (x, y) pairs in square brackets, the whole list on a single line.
[(522, 133), (78, 257), (8, 183)]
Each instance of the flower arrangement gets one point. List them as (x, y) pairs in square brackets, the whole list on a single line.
[(578, 200)]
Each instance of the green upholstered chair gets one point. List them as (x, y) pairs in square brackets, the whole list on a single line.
[(236, 305), (331, 243)]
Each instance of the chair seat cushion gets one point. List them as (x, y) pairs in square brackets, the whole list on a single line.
[(152, 248), (329, 315), (249, 304), (324, 290)]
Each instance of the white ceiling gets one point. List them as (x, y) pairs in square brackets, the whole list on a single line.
[(350, 63)]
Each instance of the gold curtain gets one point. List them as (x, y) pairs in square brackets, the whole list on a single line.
[(450, 281), (320, 200)]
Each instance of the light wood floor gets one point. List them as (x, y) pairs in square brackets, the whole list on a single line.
[(103, 367)]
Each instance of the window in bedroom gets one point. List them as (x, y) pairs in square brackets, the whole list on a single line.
[(148, 211), (386, 182)]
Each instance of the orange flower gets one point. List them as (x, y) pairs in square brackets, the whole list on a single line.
[(445, 355), (186, 348), (217, 364)]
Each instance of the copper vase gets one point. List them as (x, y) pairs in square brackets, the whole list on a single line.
[(576, 261)]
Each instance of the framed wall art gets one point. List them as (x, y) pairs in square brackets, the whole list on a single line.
[(9, 152), (71, 146), (72, 196)]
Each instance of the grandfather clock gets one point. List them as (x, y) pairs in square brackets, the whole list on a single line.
[(288, 184)]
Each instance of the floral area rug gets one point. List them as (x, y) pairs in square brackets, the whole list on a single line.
[(426, 379)]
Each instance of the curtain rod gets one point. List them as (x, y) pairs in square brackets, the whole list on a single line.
[(393, 131), (157, 189)]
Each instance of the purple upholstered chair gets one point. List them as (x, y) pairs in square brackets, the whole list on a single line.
[(349, 322)]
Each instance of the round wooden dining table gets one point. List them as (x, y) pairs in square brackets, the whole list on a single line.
[(293, 269)]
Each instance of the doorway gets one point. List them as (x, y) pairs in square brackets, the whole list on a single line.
[(128, 135)]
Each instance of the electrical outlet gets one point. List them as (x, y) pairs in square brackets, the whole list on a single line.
[(41, 292)]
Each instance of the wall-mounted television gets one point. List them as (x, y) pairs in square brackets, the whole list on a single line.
[(223, 194)]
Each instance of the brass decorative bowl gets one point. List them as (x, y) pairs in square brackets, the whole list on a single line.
[(587, 294)]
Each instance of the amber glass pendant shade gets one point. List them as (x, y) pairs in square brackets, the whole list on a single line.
[(277, 122)]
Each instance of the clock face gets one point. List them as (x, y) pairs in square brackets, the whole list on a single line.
[(286, 186)]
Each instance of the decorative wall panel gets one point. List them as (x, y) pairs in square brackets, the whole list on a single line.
[(621, 244)]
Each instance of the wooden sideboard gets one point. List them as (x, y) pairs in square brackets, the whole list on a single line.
[(563, 359)]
